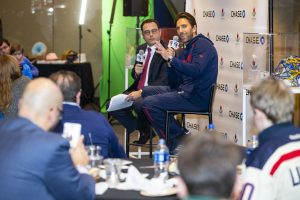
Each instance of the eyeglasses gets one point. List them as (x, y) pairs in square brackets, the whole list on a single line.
[(148, 32)]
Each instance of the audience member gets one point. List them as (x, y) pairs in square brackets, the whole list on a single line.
[(207, 165), (12, 84), (95, 127), (4, 47), (36, 164), (196, 70), (152, 72), (28, 69), (273, 168)]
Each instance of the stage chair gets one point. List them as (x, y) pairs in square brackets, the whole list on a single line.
[(183, 112), (128, 144)]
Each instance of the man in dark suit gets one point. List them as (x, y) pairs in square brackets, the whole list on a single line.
[(36, 164), (152, 72), (94, 126)]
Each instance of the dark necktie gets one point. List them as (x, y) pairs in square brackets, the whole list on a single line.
[(144, 73)]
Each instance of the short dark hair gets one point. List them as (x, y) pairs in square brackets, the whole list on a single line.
[(187, 16), (207, 164), (16, 47), (149, 21), (3, 40), (68, 82)]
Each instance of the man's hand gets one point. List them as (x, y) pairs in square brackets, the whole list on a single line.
[(134, 95), (165, 53), (79, 154), (138, 69)]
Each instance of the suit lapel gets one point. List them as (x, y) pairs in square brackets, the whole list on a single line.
[(154, 67)]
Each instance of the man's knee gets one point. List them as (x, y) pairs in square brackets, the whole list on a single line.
[(147, 102)]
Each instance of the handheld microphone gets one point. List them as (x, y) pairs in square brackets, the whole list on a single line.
[(140, 57), (174, 44)]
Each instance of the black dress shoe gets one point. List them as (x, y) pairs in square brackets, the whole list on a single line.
[(143, 139)]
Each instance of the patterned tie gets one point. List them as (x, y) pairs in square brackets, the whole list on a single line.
[(144, 73)]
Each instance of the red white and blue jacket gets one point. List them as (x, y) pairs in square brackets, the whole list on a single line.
[(273, 169)]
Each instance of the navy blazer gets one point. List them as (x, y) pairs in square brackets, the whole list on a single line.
[(157, 76), (37, 165), (96, 124)]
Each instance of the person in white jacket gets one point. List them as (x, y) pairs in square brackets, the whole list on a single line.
[(273, 168)]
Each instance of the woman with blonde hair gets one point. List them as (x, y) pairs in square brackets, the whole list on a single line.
[(12, 84)]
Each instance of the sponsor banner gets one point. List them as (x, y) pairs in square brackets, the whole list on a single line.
[(225, 23)]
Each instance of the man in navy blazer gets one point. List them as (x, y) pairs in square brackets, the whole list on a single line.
[(151, 73), (94, 126), (36, 164)]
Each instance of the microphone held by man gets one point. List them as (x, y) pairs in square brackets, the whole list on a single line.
[(140, 59), (174, 44)]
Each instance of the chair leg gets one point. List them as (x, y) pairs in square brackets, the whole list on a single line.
[(127, 142), (150, 147), (167, 127), (183, 120), (210, 118)]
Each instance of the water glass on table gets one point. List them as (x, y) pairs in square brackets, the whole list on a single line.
[(112, 171), (95, 159)]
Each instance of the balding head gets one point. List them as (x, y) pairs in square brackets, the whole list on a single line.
[(41, 103)]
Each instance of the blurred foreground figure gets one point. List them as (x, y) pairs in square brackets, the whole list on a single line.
[(12, 85), (36, 164), (94, 126), (207, 165), (273, 169)]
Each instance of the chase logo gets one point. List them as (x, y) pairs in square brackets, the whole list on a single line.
[(222, 87), (237, 39), (238, 13), (235, 115), (221, 62), (248, 92), (235, 139), (222, 13), (221, 110), (208, 35), (190, 125), (253, 64), (255, 40), (222, 38), (209, 13), (236, 64), (253, 12), (236, 89), (262, 40)]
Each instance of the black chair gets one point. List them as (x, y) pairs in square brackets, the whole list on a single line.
[(150, 145), (183, 112)]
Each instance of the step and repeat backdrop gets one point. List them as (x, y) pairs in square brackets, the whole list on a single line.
[(225, 22)]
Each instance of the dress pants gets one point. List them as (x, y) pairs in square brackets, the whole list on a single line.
[(158, 99), (131, 121)]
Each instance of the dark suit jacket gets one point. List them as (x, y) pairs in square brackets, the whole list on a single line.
[(157, 72), (37, 165), (95, 123)]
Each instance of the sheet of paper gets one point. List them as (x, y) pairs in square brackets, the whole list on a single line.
[(119, 102)]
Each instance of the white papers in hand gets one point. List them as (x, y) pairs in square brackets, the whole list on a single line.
[(119, 102)]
